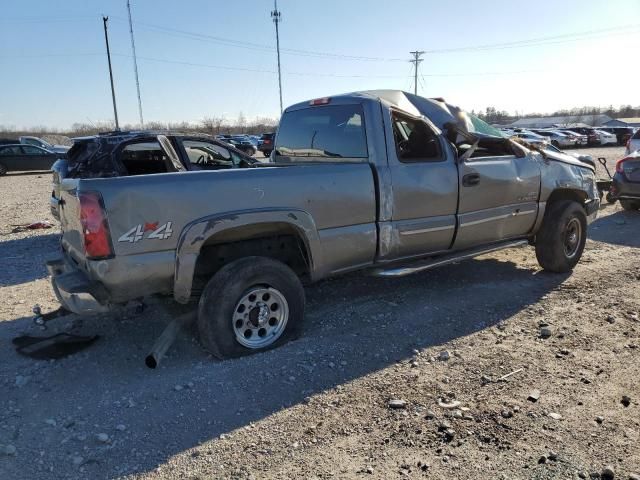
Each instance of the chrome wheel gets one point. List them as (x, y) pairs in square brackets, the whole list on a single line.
[(260, 317), (572, 237)]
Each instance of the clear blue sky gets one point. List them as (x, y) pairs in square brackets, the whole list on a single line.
[(53, 69)]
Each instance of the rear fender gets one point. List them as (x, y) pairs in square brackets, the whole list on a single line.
[(203, 231)]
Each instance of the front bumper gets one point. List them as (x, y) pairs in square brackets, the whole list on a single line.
[(592, 207), (74, 290)]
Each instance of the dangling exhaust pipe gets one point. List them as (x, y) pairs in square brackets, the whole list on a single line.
[(166, 339)]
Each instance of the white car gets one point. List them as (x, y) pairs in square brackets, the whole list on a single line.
[(606, 138), (559, 139), (634, 143), (38, 142), (532, 138)]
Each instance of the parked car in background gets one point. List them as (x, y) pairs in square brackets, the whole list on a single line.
[(241, 142), (265, 145), (559, 139), (623, 134), (633, 143), (581, 140), (36, 141), (606, 138), (532, 138), (593, 139), (20, 158)]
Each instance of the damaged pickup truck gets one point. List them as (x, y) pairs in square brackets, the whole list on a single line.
[(379, 180)]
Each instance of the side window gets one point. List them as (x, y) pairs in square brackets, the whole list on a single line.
[(31, 141), (11, 151), (322, 133), (415, 140), (143, 158), (31, 150), (208, 156)]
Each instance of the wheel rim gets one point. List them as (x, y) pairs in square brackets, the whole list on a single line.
[(572, 237), (260, 317)]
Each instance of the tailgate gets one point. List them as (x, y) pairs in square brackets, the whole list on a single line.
[(69, 208)]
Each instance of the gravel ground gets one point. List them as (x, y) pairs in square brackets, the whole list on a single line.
[(427, 376)]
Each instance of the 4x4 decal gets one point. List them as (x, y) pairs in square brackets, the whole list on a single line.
[(137, 233)]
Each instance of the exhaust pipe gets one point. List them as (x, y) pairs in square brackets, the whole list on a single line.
[(166, 339)]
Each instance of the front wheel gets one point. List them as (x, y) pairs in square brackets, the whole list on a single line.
[(3, 170), (630, 204), (250, 305), (562, 236)]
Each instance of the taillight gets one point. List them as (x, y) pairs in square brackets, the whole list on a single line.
[(95, 229), (320, 101), (619, 166)]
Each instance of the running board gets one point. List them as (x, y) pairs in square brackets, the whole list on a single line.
[(429, 263)]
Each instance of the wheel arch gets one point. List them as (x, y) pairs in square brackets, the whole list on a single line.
[(558, 195), (245, 233)]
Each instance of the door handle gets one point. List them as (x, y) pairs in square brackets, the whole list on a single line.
[(471, 179)]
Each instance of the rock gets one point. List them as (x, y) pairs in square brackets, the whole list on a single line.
[(542, 459), (607, 473), (448, 405), (594, 475), (633, 316), (534, 396), (444, 355), (555, 416), (599, 419), (485, 379), (634, 476), (9, 450), (413, 364), (611, 319), (506, 413), (545, 332), (582, 475), (449, 434), (626, 400), (121, 427), (369, 470), (177, 388), (102, 437), (22, 380), (397, 404), (553, 456), (430, 415)]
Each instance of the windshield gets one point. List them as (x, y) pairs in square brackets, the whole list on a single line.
[(480, 126)]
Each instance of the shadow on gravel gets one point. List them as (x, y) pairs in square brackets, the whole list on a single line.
[(619, 228), (22, 259), (355, 325)]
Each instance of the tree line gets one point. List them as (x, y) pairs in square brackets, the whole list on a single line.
[(493, 115)]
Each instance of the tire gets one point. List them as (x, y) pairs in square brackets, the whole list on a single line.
[(227, 311), (3, 170), (630, 205), (562, 236), (610, 198)]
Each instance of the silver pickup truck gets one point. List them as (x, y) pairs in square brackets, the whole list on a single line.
[(379, 180)]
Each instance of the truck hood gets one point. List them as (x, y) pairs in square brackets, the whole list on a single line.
[(566, 158)]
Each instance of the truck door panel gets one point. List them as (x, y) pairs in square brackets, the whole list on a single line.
[(498, 199), (425, 188)]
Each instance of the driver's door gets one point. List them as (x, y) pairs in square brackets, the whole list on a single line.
[(498, 198), (36, 158)]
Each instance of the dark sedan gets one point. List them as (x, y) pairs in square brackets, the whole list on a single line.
[(25, 157)]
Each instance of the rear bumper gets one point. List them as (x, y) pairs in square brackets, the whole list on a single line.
[(74, 290), (622, 188)]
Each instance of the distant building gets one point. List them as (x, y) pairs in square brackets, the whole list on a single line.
[(567, 121), (623, 122)]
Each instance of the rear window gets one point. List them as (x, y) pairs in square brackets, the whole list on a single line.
[(332, 131)]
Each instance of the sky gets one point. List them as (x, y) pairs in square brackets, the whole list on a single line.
[(217, 58)]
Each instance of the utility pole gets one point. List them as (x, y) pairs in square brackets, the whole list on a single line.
[(416, 61), (135, 64), (275, 15), (113, 92)]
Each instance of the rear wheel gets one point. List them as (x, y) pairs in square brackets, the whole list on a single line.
[(630, 204), (3, 170), (250, 305), (562, 236)]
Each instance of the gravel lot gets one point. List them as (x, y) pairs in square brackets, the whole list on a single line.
[(422, 377)]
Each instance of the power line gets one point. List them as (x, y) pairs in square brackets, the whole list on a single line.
[(416, 61), (135, 64)]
